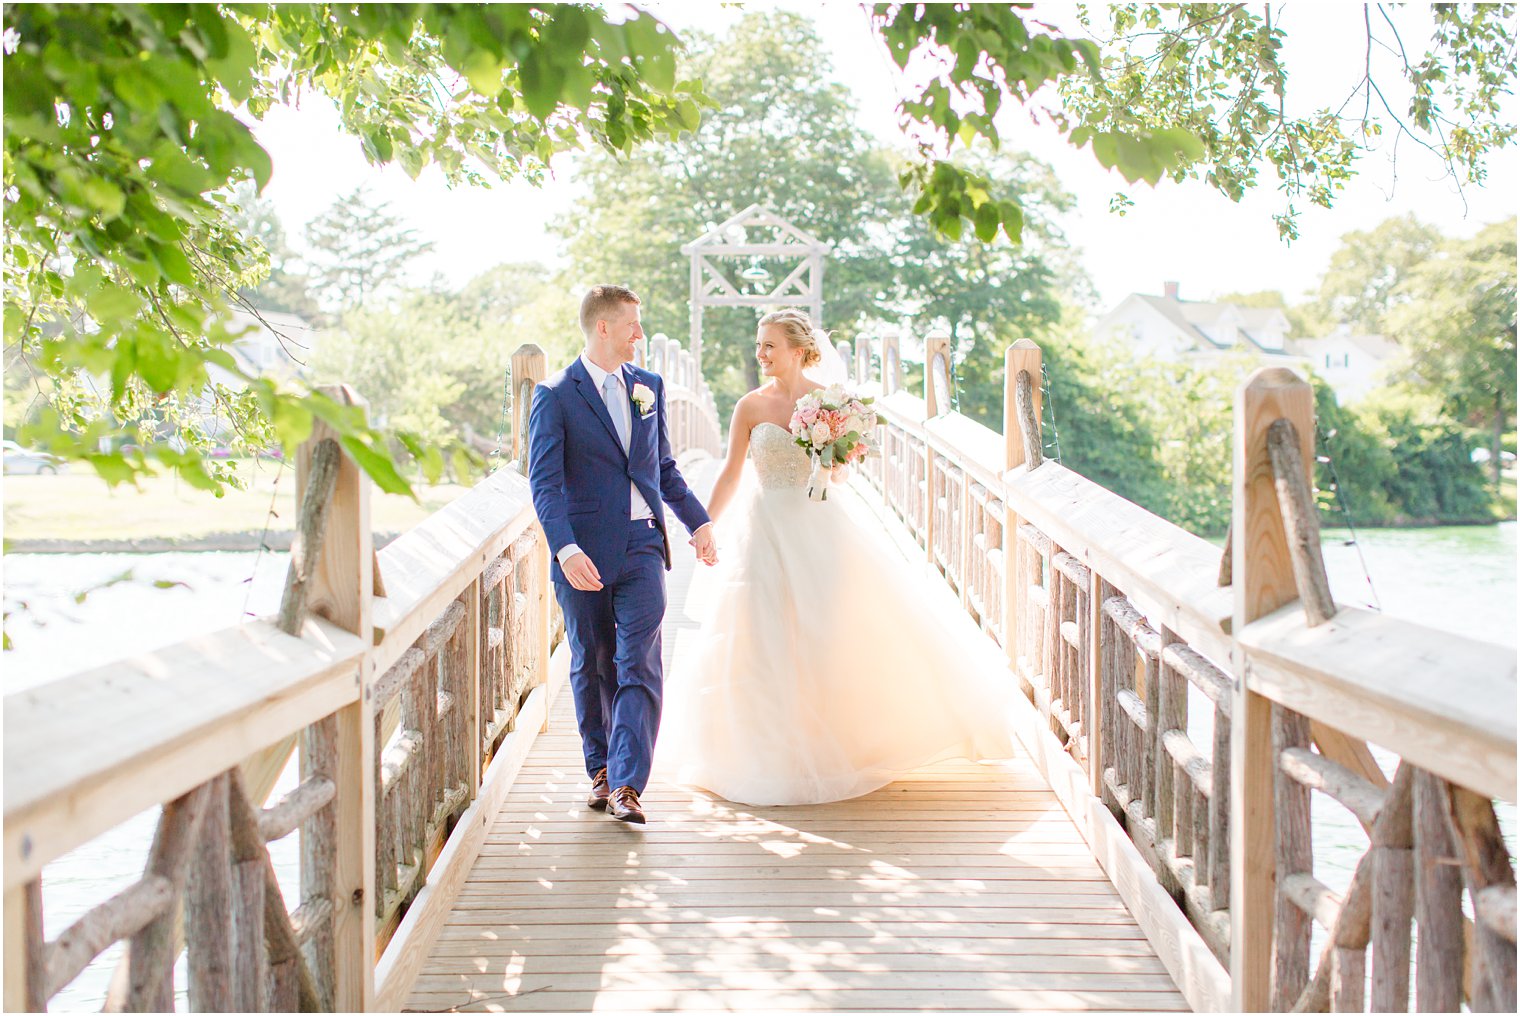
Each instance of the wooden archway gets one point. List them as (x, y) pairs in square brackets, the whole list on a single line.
[(757, 235)]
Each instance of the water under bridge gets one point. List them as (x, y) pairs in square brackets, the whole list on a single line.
[(1151, 847)]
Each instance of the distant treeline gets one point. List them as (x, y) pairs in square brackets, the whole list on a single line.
[(1160, 435)]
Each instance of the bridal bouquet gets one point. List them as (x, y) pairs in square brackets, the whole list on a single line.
[(834, 426)]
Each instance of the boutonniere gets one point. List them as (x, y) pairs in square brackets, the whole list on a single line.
[(643, 398)]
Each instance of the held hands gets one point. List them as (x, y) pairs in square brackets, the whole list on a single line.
[(706, 545), (582, 573)]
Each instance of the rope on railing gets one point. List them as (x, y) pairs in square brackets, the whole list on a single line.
[(1301, 520)]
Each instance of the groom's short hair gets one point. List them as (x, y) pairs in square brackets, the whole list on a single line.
[(599, 302)]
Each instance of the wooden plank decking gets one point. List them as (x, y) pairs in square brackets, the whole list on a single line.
[(960, 887)]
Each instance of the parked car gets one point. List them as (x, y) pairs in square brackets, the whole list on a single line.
[(30, 461)]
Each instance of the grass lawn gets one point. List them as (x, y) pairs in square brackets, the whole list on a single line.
[(79, 506)]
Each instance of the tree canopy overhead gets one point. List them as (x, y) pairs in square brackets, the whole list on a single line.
[(1188, 91), (784, 133), (126, 128)]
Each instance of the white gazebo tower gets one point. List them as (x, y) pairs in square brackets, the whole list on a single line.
[(735, 264)]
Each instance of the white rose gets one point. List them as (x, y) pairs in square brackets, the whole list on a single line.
[(822, 434), (643, 397)]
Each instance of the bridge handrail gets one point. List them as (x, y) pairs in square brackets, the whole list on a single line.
[(412, 698), (1109, 614), (1314, 670), (146, 746)]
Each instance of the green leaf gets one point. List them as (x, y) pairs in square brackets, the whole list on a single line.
[(157, 359), (432, 464), (1013, 220), (987, 220), (541, 81), (175, 266), (483, 71), (1183, 141), (380, 467), (1106, 147), (221, 358), (112, 304), (413, 159), (112, 468), (105, 196), (292, 422), (370, 143), (465, 463), (688, 114)]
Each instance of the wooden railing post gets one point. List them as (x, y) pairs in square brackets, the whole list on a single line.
[(1438, 901), (862, 360), (937, 399), (24, 974), (1263, 582), (939, 392), (340, 865), (529, 367), (675, 374), (209, 931), (657, 358), (891, 362), (1022, 355)]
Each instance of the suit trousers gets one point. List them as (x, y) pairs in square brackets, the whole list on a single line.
[(616, 671)]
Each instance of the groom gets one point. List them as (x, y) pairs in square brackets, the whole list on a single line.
[(600, 467)]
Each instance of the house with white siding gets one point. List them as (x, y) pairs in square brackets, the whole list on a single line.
[(1351, 364), (1203, 332), (1168, 327)]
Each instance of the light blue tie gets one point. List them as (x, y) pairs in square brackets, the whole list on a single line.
[(612, 394)]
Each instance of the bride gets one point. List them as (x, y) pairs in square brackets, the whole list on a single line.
[(818, 674)]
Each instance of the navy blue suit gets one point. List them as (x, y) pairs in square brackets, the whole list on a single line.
[(579, 475)]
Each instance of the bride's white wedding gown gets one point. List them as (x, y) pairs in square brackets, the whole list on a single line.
[(822, 671)]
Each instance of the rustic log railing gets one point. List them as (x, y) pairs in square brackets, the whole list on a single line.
[(411, 702), (1128, 636)]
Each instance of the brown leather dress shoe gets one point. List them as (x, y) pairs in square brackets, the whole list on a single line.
[(624, 806), (600, 791)]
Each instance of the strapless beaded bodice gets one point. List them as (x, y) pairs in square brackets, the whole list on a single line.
[(779, 463)]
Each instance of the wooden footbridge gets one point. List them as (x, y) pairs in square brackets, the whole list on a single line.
[(1150, 848)]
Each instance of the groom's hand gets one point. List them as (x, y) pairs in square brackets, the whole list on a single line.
[(582, 573), (706, 545)]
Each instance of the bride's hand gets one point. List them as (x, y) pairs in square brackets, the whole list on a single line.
[(839, 473), (705, 545)]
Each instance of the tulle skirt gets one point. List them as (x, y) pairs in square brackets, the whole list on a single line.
[(823, 669)]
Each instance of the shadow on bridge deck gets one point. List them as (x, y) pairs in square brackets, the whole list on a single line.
[(959, 887)]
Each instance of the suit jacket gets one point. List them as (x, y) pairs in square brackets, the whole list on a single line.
[(579, 473)]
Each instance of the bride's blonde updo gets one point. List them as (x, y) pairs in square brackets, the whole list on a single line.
[(800, 333)]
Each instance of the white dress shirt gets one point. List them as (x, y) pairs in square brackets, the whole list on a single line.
[(638, 507)]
